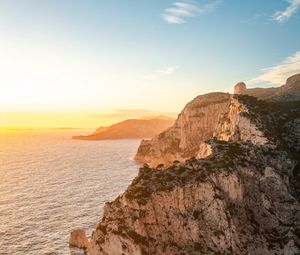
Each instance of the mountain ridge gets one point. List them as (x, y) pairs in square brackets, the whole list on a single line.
[(129, 129)]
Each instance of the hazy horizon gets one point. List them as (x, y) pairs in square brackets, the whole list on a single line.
[(115, 140), (82, 64)]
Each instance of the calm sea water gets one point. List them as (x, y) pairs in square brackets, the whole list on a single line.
[(50, 184)]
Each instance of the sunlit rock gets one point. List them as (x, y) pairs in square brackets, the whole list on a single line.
[(78, 239)]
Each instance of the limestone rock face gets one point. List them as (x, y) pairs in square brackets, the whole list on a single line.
[(291, 81), (78, 239), (227, 121), (240, 195), (290, 91), (204, 150), (235, 125), (214, 114), (212, 206), (240, 88), (195, 124)]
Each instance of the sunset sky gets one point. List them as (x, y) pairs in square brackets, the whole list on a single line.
[(71, 63)]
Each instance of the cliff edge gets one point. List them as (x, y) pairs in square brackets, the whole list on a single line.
[(201, 118), (197, 122), (243, 198), (238, 194)]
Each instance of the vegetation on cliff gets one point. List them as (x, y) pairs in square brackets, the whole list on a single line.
[(242, 198)]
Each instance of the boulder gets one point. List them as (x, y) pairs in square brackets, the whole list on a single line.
[(78, 239), (240, 88)]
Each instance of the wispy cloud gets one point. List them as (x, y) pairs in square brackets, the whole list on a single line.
[(179, 11), (278, 74), (160, 73), (284, 15)]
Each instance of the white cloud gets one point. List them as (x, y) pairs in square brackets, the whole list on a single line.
[(182, 10), (282, 16), (159, 73), (168, 71), (278, 74)]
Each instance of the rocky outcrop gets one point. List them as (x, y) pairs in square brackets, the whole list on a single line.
[(227, 121), (214, 114), (195, 124), (212, 206), (261, 93), (241, 199), (240, 88), (235, 125), (288, 92), (78, 239)]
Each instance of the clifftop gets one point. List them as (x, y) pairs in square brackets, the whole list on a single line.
[(195, 123), (238, 193), (243, 198), (291, 81), (206, 116)]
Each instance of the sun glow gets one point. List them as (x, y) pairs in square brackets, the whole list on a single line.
[(47, 86), (50, 120)]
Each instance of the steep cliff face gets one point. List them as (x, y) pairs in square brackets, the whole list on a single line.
[(239, 195), (236, 201), (226, 120), (215, 114), (195, 124), (235, 125), (241, 199)]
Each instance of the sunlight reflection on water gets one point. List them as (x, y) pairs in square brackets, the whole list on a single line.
[(50, 184)]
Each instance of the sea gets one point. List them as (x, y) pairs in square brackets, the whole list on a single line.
[(51, 184)]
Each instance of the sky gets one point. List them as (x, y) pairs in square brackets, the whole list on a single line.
[(89, 63)]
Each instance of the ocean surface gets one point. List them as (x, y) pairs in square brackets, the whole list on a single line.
[(51, 184)]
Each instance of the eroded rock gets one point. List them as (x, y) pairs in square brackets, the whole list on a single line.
[(78, 239), (194, 125)]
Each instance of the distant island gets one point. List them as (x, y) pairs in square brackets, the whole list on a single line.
[(147, 127)]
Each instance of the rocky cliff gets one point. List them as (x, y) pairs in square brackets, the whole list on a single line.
[(207, 116), (197, 122), (234, 202), (241, 199), (239, 195)]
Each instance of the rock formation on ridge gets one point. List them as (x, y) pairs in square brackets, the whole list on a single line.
[(288, 92)]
